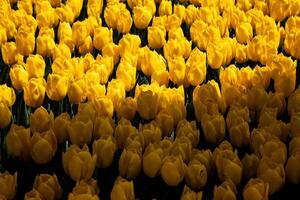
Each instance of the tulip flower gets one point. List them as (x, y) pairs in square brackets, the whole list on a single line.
[(9, 51), (275, 150), (18, 142), (244, 32), (141, 17), (85, 189), (151, 132), (294, 145), (102, 36), (213, 128), (48, 186), (196, 175), (130, 164), (241, 53), (33, 195), (196, 73), (124, 21), (78, 163), (105, 148), (173, 170), (227, 190), (250, 164), (34, 92), (127, 108), (18, 76), (292, 168), (258, 138), (256, 189), (8, 185), (152, 160), (188, 194), (156, 37), (103, 126), (41, 120), (43, 146), (127, 74), (103, 106), (80, 130), (165, 8), (60, 127), (111, 50), (122, 189), (5, 115), (25, 41), (166, 123), (94, 8), (123, 130), (116, 91)]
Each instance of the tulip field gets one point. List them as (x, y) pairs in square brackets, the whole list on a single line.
[(149, 99)]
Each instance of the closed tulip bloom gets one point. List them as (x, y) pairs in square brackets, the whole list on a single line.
[(141, 17), (225, 191), (196, 175), (250, 164), (161, 77), (105, 149), (241, 53), (60, 127), (244, 32), (188, 129), (127, 74), (256, 189), (258, 138), (8, 96), (41, 120), (18, 76), (177, 70), (48, 186), (256, 98), (45, 45), (188, 194), (34, 92), (80, 130), (111, 50), (275, 150), (5, 115), (9, 51), (294, 145), (166, 123), (144, 100), (35, 66), (124, 21), (173, 170), (8, 185), (25, 41), (33, 195), (85, 190), (213, 128), (76, 91), (116, 92), (123, 130), (272, 173), (156, 37), (102, 36), (103, 106), (86, 46), (127, 108), (43, 146), (229, 166), (152, 160), (130, 164), (57, 87), (292, 168), (122, 190), (103, 126), (240, 134), (78, 163), (196, 67), (165, 8), (18, 142), (129, 44), (205, 157), (152, 62)]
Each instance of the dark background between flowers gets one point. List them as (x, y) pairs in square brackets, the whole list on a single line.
[(145, 188)]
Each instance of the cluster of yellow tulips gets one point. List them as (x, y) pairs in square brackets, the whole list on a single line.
[(91, 53)]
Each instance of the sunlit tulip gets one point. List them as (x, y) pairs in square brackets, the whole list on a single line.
[(129, 44), (25, 41), (57, 87), (244, 32), (103, 106), (18, 76), (5, 115), (8, 185), (102, 36), (9, 51), (127, 108), (48, 186), (141, 17), (165, 8), (124, 21), (156, 37), (122, 190), (34, 92), (111, 50)]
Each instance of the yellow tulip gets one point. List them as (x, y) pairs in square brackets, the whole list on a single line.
[(25, 41), (196, 175), (43, 146), (18, 142), (86, 46), (78, 163), (103, 106), (152, 160), (129, 44), (271, 173), (8, 185), (41, 120), (188, 129), (156, 37), (165, 8), (18, 76), (213, 128), (241, 53), (177, 70), (123, 131), (166, 123), (293, 102), (8, 96), (80, 130), (173, 22), (294, 145), (45, 43), (205, 157), (130, 164), (151, 62), (191, 13), (244, 32), (144, 100), (86, 111), (196, 67), (111, 50), (127, 74), (256, 189), (9, 51), (105, 149), (5, 115), (179, 10), (3, 36), (256, 98), (275, 150), (60, 127), (85, 190), (116, 92), (33, 195), (122, 190), (35, 66), (188, 194), (102, 36), (151, 132), (65, 13), (292, 168), (64, 34), (173, 170), (225, 191), (124, 21), (76, 91), (103, 126), (258, 138), (240, 134), (94, 8), (141, 17), (57, 87), (127, 108), (261, 77), (250, 164), (47, 18), (48, 186), (229, 166)]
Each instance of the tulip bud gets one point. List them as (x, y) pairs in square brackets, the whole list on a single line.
[(130, 164), (43, 146), (57, 87), (258, 138), (48, 186), (60, 127), (256, 189), (34, 92), (141, 17), (129, 44), (156, 37), (182, 147), (123, 130), (41, 120), (225, 191), (213, 128), (177, 70), (165, 123), (25, 41), (122, 189), (144, 100), (8, 96), (173, 170), (239, 134), (229, 166), (5, 115), (152, 160), (105, 148), (8, 185), (116, 91), (102, 36), (151, 132), (127, 108), (80, 130), (18, 142), (79, 163), (165, 8), (275, 150), (188, 129), (9, 51), (188, 194), (250, 164), (272, 173), (196, 175), (111, 50), (18, 76)]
